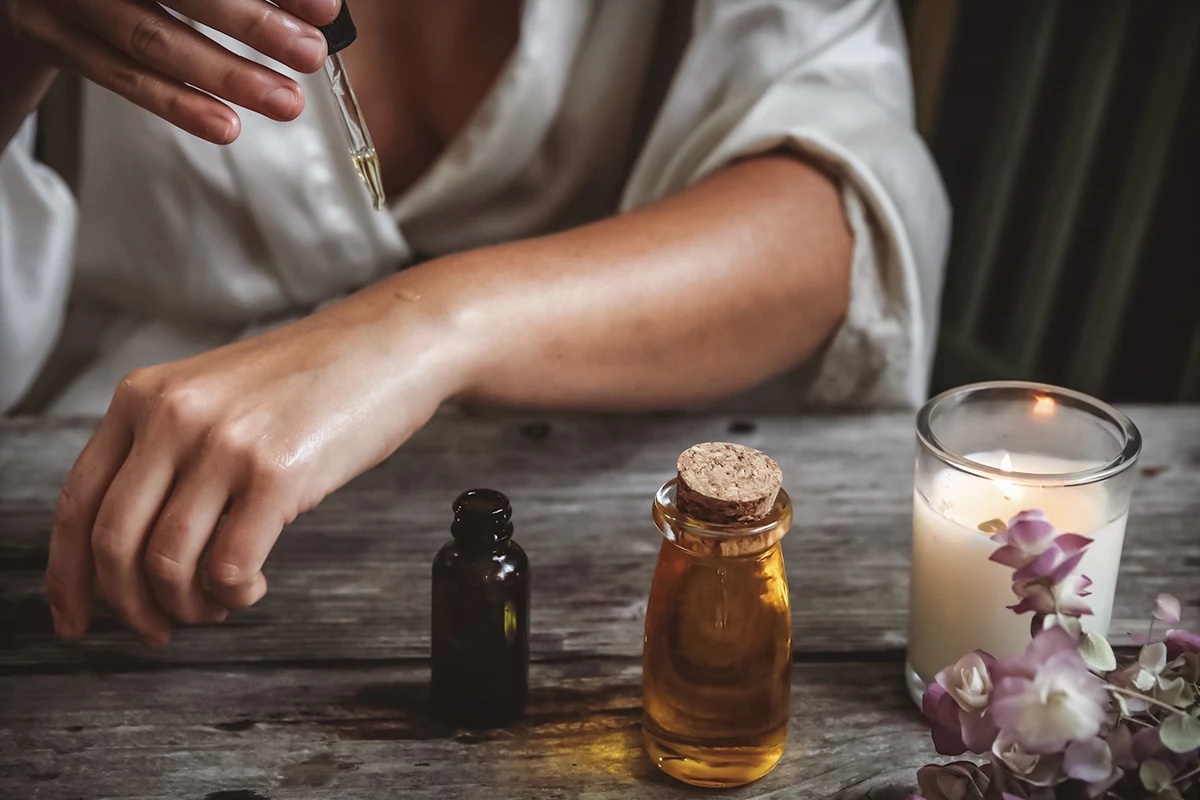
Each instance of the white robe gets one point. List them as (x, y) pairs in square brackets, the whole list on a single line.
[(175, 245)]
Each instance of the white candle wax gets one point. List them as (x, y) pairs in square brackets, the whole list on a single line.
[(958, 598)]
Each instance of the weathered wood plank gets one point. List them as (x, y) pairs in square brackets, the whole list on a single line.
[(350, 580), (364, 732)]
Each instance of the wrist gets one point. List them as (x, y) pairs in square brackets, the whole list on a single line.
[(426, 312)]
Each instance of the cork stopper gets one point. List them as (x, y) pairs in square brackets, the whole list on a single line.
[(725, 483), (729, 485)]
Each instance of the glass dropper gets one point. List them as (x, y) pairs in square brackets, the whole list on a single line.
[(339, 35)]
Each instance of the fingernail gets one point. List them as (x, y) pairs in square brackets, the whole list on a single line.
[(221, 129), (328, 10), (307, 52), (282, 103)]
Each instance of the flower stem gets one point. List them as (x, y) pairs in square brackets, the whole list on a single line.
[(1186, 775), (1137, 721), (1145, 699)]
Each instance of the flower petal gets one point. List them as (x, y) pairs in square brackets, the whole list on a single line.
[(1041, 567), (1089, 760), (1028, 515), (1153, 657), (1179, 641), (978, 731), (1180, 734), (1146, 744), (1155, 776), (1009, 556), (1031, 535), (1120, 744), (1097, 652), (946, 731), (929, 700), (1143, 680), (1071, 543), (1167, 608), (1067, 622), (961, 780), (1066, 567)]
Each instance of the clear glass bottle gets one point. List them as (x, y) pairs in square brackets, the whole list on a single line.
[(480, 643), (717, 652)]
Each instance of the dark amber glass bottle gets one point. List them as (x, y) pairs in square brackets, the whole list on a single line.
[(480, 669)]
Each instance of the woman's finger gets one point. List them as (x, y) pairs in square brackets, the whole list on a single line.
[(173, 552), (241, 548), (153, 37), (69, 567), (193, 111), (269, 29), (314, 12), (123, 523)]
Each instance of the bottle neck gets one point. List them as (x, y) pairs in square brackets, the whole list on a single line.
[(473, 537), (702, 538)]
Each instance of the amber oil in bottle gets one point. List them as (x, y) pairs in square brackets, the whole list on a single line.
[(717, 657), (480, 642)]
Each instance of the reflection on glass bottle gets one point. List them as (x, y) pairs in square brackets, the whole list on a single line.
[(480, 658)]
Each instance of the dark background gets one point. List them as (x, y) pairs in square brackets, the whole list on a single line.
[(1067, 134)]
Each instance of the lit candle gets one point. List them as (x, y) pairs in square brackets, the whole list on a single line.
[(958, 598)]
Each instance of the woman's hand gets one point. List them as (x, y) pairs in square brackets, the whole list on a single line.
[(138, 50), (258, 431), (264, 429)]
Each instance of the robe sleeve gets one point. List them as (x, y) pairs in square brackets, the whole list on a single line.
[(829, 81), (37, 241)]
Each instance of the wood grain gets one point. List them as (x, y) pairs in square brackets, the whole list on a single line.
[(320, 690), (350, 580), (363, 732)]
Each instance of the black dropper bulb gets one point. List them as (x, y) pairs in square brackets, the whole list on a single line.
[(340, 33)]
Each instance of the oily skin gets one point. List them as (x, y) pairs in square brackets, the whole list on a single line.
[(260, 430), (700, 295), (173, 506)]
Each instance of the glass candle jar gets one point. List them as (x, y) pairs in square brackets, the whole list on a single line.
[(986, 452), (717, 655)]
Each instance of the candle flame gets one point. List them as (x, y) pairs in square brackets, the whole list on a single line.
[(1043, 406), (1009, 490)]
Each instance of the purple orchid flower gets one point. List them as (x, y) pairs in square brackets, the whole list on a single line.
[(1048, 584), (1029, 535), (1047, 697)]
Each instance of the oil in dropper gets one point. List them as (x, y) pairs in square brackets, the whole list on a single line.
[(339, 35)]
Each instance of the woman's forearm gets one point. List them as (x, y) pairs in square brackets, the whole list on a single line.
[(697, 296), (708, 292)]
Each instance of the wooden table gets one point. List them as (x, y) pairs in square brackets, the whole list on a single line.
[(320, 691)]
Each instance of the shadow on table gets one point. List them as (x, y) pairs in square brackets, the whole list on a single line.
[(593, 733)]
